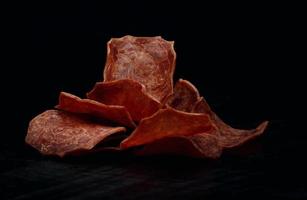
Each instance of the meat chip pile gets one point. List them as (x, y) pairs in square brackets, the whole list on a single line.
[(136, 108)]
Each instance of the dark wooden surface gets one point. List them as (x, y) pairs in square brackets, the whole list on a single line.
[(270, 167)]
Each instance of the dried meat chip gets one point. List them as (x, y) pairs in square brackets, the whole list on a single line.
[(72, 103), (60, 133), (201, 145), (168, 122), (138, 81), (185, 96), (147, 60), (229, 137), (127, 93)]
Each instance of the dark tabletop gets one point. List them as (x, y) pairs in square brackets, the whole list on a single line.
[(269, 167)]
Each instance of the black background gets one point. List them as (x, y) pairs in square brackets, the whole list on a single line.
[(246, 60)]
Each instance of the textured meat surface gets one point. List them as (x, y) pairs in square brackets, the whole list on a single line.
[(137, 92), (184, 97), (72, 103), (168, 122), (201, 145), (147, 60), (59, 133), (229, 137), (127, 93)]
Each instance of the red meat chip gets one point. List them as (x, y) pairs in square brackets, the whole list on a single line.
[(60, 133), (201, 145), (229, 137), (168, 122), (184, 97), (72, 103), (147, 60), (127, 93), (137, 87)]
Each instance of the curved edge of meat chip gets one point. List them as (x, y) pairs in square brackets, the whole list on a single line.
[(199, 146), (150, 61), (127, 93), (102, 146), (229, 137), (72, 103), (168, 122), (55, 132), (185, 96)]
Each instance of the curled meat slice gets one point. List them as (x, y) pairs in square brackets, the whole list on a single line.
[(168, 122), (201, 145), (229, 137), (185, 96), (127, 93), (60, 133), (147, 60), (72, 103)]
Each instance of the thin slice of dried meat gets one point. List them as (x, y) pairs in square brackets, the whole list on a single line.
[(72, 103), (185, 96), (127, 93), (168, 122), (60, 133), (229, 137), (147, 60), (201, 145)]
